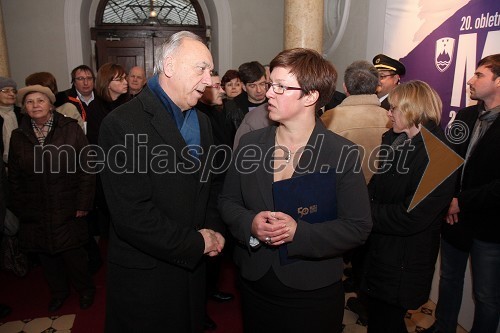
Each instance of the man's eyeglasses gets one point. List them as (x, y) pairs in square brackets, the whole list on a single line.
[(81, 78), (215, 86), (278, 88), (384, 76), (6, 91)]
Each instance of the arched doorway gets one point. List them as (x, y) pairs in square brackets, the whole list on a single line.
[(128, 32)]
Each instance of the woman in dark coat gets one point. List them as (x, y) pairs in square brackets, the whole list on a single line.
[(51, 194), (404, 242)]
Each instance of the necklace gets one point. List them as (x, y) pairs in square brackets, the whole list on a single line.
[(287, 151)]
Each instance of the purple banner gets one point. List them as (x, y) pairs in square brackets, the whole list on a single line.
[(447, 57)]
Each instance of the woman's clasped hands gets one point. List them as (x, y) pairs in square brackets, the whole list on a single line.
[(273, 228)]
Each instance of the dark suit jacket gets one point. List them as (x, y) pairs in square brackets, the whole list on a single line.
[(479, 194), (156, 208), (385, 104), (321, 245)]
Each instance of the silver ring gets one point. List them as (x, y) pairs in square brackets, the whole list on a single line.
[(268, 240)]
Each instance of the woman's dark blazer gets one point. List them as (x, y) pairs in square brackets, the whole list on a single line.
[(321, 245)]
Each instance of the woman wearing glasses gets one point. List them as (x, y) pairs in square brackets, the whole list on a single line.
[(111, 89), (10, 114), (296, 288), (404, 242)]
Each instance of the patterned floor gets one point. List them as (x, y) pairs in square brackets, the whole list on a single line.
[(416, 321), (62, 324)]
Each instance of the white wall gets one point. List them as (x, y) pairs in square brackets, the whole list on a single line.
[(257, 30), (35, 38), (352, 46)]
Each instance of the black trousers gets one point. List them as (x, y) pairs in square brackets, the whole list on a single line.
[(70, 266), (269, 306), (384, 317)]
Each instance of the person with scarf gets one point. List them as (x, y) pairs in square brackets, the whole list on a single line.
[(10, 114)]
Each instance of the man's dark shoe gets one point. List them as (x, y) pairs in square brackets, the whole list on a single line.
[(86, 301), (5, 310), (356, 306), (56, 303), (209, 324), (220, 296)]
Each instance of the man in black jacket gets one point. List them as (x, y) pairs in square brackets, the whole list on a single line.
[(211, 105), (253, 77), (472, 226), (158, 197)]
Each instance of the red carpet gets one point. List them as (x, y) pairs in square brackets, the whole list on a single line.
[(29, 297)]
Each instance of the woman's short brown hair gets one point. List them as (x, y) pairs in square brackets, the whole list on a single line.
[(229, 75), (105, 75), (313, 72), (417, 102), (45, 79)]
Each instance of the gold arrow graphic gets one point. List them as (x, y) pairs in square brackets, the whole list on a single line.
[(443, 161)]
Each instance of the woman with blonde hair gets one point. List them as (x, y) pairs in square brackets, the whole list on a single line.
[(404, 242)]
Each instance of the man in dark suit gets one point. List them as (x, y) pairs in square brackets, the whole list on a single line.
[(157, 190), (390, 72), (472, 227)]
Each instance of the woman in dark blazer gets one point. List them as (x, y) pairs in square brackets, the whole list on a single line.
[(51, 194), (306, 294), (404, 242)]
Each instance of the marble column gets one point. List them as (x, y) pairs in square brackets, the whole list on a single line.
[(304, 24), (4, 58)]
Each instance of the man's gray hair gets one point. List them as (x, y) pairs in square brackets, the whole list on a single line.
[(170, 46), (361, 78)]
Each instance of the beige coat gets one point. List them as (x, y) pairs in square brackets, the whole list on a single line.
[(360, 118)]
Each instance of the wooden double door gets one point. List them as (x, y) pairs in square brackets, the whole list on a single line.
[(132, 47)]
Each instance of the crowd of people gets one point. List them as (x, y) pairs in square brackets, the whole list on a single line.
[(193, 164)]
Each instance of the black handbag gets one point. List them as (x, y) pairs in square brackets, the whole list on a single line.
[(12, 259)]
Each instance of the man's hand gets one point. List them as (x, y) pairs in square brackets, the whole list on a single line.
[(452, 215), (81, 213), (214, 242)]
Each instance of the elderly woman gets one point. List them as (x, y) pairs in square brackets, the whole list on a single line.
[(10, 114), (290, 269), (51, 194), (48, 80), (404, 242)]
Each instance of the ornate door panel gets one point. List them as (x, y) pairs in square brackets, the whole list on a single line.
[(128, 52), (127, 32)]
